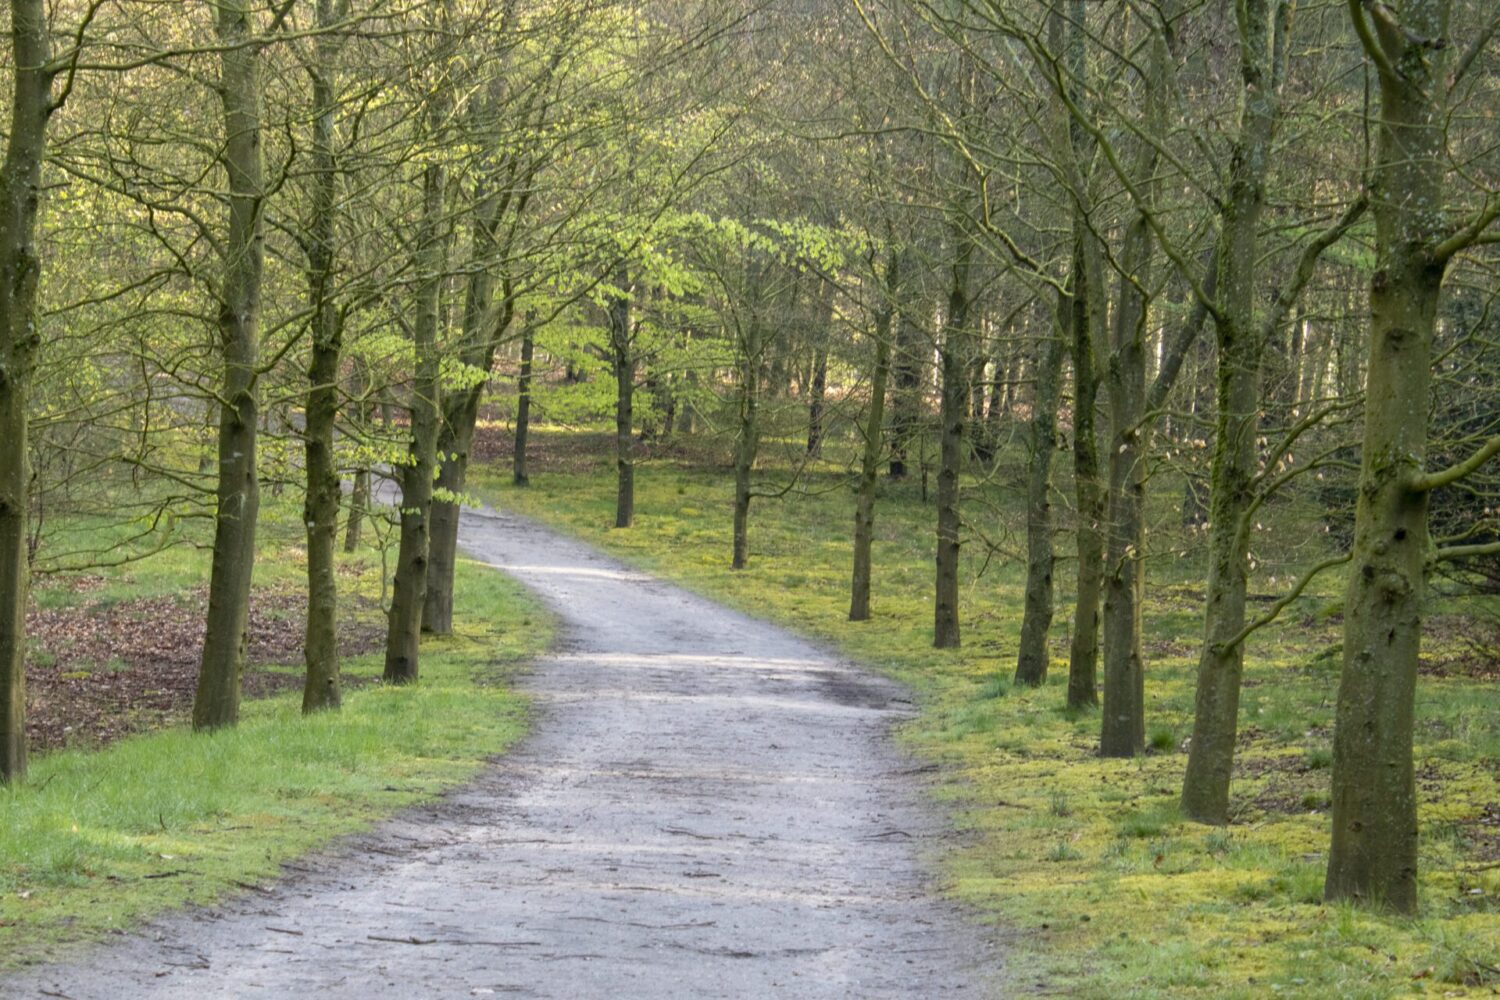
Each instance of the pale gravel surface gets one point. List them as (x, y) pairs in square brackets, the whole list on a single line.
[(708, 807)]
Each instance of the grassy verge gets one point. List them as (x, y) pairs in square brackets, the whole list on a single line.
[(1117, 896), (98, 840)]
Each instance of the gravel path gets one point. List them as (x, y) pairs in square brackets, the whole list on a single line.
[(708, 807)]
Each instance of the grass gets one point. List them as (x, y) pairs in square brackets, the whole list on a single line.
[(1115, 894), (99, 840)]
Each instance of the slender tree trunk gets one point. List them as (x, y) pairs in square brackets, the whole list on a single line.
[(523, 407), (321, 506), (815, 404), (1036, 621), (454, 441), (874, 445), (624, 372), (20, 269), (217, 701), (1083, 652), (359, 495), (359, 502), (1241, 344), (955, 394), (1373, 858), (908, 369), (409, 590), (747, 443), (1123, 717)]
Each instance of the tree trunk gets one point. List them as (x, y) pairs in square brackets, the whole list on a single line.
[(20, 269), (523, 407), (815, 403), (409, 590), (217, 701), (746, 446), (1241, 344), (1373, 857), (321, 505), (624, 372), (454, 441), (955, 396), (1083, 653), (1123, 718), (1036, 622), (908, 368), (874, 445), (359, 502)]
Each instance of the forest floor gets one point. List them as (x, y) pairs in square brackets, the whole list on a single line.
[(707, 806), (102, 668), (1112, 894)]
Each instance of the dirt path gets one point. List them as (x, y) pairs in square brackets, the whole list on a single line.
[(708, 807)]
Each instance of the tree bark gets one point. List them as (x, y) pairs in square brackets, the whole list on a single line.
[(1241, 344), (815, 403), (409, 590), (321, 688), (874, 445), (623, 363), (20, 270), (523, 407), (217, 701), (1033, 658), (1373, 856), (908, 369), (747, 443), (1083, 651), (955, 397)]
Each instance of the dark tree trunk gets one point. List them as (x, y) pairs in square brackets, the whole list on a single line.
[(1083, 653), (217, 701), (816, 396), (908, 370), (1241, 344), (321, 689), (623, 363), (409, 590), (955, 394), (523, 407), (1373, 857), (1036, 621), (20, 269), (874, 444)]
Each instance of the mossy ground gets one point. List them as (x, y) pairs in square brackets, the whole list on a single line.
[(1113, 894), (98, 840)]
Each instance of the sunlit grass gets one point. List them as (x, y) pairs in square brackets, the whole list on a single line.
[(99, 840)]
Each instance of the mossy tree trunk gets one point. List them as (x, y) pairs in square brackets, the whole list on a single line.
[(954, 356), (1122, 730), (747, 439), (519, 475), (873, 447), (1241, 343), (217, 700), (409, 589), (1033, 657), (1089, 499), (1373, 857), (20, 270), (321, 689), (622, 359), (908, 370)]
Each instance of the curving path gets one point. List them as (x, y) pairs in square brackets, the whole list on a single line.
[(708, 807)]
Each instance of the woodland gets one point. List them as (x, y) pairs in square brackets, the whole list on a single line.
[(1124, 377)]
